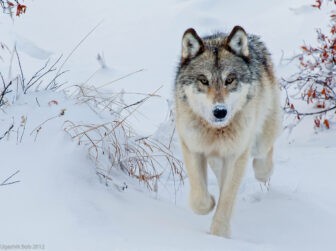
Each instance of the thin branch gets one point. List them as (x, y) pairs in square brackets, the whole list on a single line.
[(4, 92), (5, 182), (40, 70), (40, 125), (7, 132), (125, 76), (76, 47), (50, 69), (24, 128), (311, 113), (20, 66), (54, 79), (3, 80)]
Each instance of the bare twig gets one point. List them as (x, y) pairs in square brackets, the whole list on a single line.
[(38, 72), (7, 132), (38, 128), (52, 82), (24, 122), (3, 80), (37, 76), (5, 182), (76, 47), (20, 66), (4, 92), (125, 76)]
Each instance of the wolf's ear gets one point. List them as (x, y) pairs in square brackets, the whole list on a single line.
[(192, 44), (237, 42)]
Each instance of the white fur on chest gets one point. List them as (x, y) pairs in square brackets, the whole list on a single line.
[(223, 145)]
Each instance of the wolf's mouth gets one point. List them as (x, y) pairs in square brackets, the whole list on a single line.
[(219, 122)]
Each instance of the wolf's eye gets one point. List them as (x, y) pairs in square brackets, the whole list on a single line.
[(203, 80), (230, 79)]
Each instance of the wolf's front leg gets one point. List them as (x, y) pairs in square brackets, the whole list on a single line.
[(200, 201), (235, 171)]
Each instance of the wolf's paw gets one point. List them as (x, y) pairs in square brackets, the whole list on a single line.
[(263, 170), (263, 177), (202, 205), (220, 229)]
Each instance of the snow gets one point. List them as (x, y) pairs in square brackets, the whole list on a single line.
[(60, 201)]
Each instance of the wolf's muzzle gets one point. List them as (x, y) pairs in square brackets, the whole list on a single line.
[(219, 112)]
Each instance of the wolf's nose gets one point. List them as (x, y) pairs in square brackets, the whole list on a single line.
[(219, 112)]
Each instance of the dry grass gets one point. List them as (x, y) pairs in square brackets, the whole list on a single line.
[(115, 144), (112, 144)]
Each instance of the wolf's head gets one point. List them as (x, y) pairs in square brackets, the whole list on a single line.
[(214, 77)]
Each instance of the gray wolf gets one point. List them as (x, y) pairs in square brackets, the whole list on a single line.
[(227, 109)]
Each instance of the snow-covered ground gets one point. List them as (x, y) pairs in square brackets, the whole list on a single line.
[(61, 203)]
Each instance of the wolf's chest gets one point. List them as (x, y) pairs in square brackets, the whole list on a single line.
[(215, 142)]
